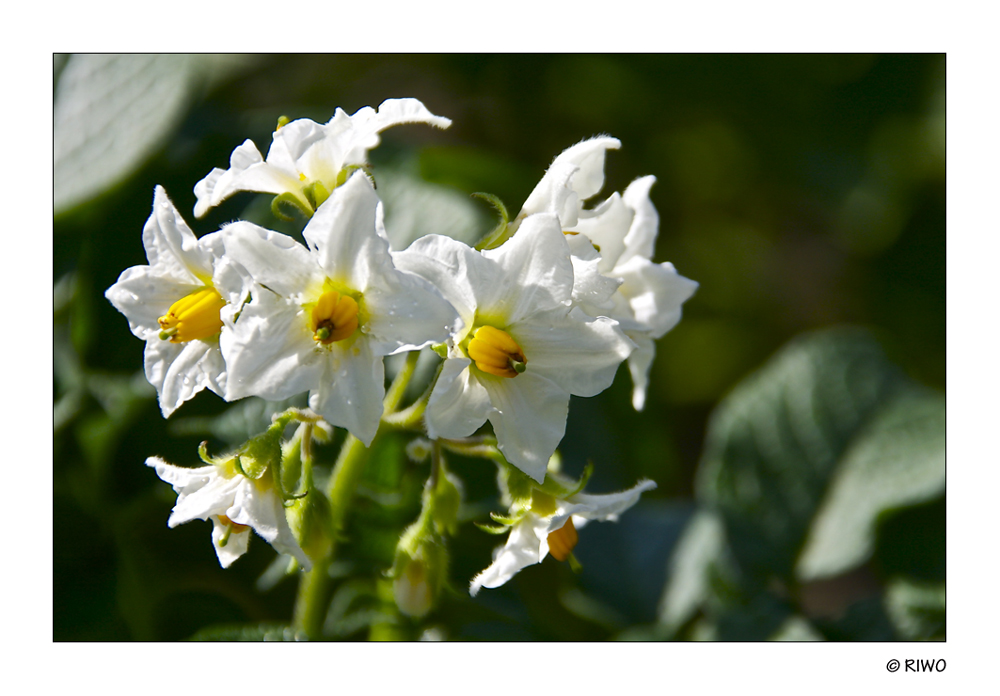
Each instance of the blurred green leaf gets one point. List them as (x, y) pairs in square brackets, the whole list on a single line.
[(773, 444), (113, 111), (898, 461), (702, 542), (803, 462), (414, 208)]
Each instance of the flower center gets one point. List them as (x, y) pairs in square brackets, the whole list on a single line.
[(193, 316), (496, 353), (563, 540), (334, 318), (231, 527)]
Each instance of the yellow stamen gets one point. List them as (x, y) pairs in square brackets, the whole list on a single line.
[(563, 540), (496, 353), (334, 318), (193, 316)]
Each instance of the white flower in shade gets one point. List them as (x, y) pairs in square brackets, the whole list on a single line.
[(648, 303), (323, 317), (549, 526), (234, 503), (522, 349), (175, 305), (307, 160), (615, 240)]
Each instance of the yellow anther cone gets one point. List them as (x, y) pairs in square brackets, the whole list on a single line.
[(563, 541), (334, 318), (496, 353), (193, 316)]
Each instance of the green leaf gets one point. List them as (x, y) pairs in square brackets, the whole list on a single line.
[(414, 208), (897, 461), (774, 443), (113, 111), (700, 545)]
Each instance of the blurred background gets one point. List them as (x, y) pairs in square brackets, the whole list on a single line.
[(795, 417)]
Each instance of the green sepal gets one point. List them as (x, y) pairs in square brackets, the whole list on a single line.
[(292, 202), (498, 235), (447, 500), (316, 193), (516, 483), (344, 174), (441, 349), (310, 518), (558, 487), (491, 529), (260, 453), (505, 520)]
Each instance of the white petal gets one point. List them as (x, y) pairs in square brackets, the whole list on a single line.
[(201, 492), (537, 273), (641, 238), (262, 509), (236, 545), (349, 392), (575, 175), (143, 297), (343, 234), (655, 293), (271, 258), (270, 352), (528, 417), (606, 226), (453, 268), (604, 507), (639, 364), (247, 172), (348, 138), (554, 194), (523, 548), (578, 353), (591, 288), (171, 247), (291, 142), (181, 370), (407, 313), (588, 155), (459, 404)]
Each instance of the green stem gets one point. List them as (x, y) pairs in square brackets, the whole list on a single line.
[(313, 597)]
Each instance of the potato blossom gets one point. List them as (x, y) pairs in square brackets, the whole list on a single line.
[(308, 160), (323, 317), (549, 525), (176, 304), (522, 348)]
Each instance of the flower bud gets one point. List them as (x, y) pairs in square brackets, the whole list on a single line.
[(418, 578)]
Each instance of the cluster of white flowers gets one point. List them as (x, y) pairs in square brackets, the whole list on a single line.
[(245, 311)]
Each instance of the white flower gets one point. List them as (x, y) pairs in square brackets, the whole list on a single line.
[(306, 159), (234, 503), (322, 318), (174, 305), (549, 526), (522, 349), (615, 240)]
